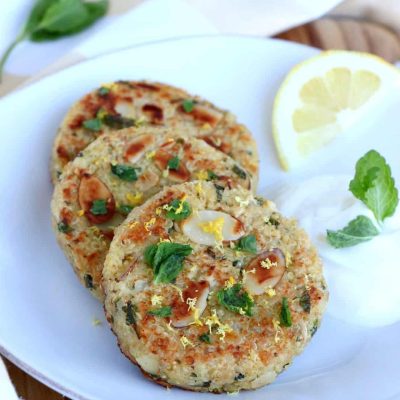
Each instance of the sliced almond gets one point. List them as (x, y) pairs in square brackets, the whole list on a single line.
[(199, 227), (126, 109), (154, 112), (232, 184), (181, 174), (264, 271), (204, 115), (194, 302), (91, 188), (138, 147), (218, 143), (147, 180)]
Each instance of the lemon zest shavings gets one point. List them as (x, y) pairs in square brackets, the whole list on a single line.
[(134, 199), (201, 175), (199, 188), (186, 342), (213, 321), (214, 227), (133, 224), (149, 224), (242, 203), (270, 292), (156, 300), (278, 330), (179, 290), (267, 263), (150, 155)]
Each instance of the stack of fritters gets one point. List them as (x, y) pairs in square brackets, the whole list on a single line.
[(206, 286)]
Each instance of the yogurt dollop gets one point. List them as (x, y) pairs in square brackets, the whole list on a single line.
[(364, 280)]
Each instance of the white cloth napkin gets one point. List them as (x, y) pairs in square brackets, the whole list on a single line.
[(151, 20)]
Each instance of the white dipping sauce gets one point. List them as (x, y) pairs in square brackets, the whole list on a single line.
[(363, 280)]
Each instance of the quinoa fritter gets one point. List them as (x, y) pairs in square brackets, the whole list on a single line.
[(118, 172), (215, 294)]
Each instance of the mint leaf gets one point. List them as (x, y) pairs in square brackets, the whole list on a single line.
[(99, 207), (235, 299), (124, 209), (359, 230), (374, 186), (285, 316), (173, 163), (178, 210), (161, 312), (117, 121), (94, 124), (53, 19), (124, 172), (63, 227), (305, 301), (67, 17), (166, 260), (188, 105), (205, 337), (211, 175), (169, 269), (248, 244), (103, 91), (130, 313), (239, 172)]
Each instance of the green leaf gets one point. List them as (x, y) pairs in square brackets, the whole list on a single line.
[(124, 209), (63, 227), (53, 19), (166, 260), (63, 16), (286, 317), (205, 337), (188, 105), (178, 210), (118, 121), (161, 312), (67, 17), (239, 172), (374, 185), (169, 269), (103, 91), (235, 299), (248, 244), (99, 207), (305, 301), (359, 230), (130, 313), (36, 15), (211, 175), (124, 172), (94, 124), (173, 163), (219, 191), (88, 281)]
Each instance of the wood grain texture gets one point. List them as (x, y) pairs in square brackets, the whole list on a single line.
[(326, 33), (347, 34)]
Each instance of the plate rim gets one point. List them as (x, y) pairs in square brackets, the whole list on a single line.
[(33, 372)]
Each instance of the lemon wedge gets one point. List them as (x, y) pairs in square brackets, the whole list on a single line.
[(324, 97)]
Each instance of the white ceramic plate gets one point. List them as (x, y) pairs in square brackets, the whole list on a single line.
[(46, 316)]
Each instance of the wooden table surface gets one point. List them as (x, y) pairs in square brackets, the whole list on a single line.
[(326, 33)]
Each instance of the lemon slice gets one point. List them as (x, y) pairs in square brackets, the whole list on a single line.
[(324, 97)]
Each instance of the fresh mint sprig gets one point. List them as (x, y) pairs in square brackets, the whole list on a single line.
[(54, 19), (374, 185)]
